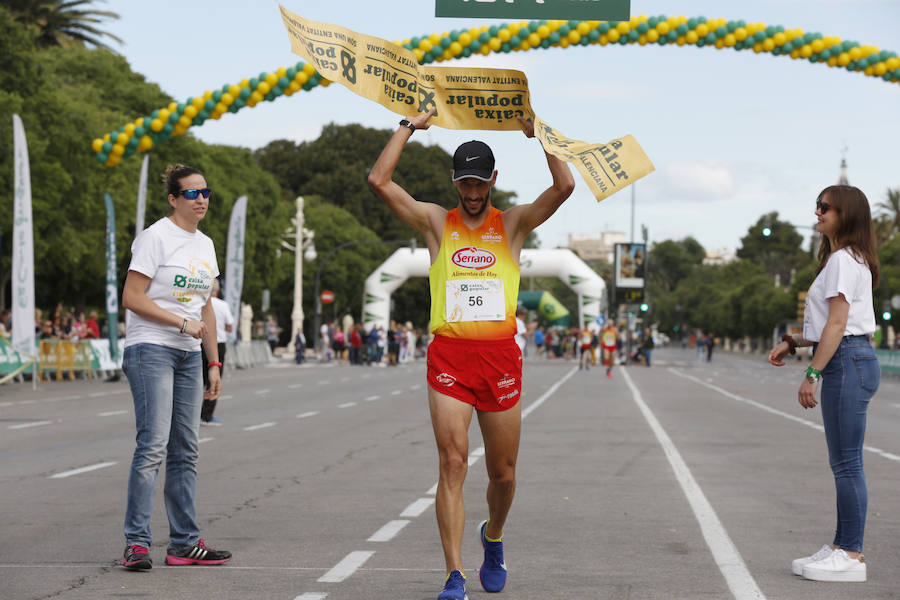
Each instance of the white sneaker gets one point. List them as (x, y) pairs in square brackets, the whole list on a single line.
[(798, 564), (837, 567)]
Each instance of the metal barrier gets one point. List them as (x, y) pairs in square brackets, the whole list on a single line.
[(889, 361), (249, 354), (61, 355)]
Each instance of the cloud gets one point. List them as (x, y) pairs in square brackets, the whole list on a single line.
[(704, 181)]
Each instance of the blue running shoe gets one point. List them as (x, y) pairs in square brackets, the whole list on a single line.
[(454, 587), (493, 570)]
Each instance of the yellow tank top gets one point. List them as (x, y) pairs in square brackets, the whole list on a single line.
[(474, 281)]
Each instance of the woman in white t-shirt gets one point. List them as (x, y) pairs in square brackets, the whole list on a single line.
[(167, 295), (839, 322)]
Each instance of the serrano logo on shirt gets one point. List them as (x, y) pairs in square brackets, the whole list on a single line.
[(473, 258)]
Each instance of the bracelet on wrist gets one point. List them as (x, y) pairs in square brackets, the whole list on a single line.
[(813, 375), (215, 363), (406, 123), (184, 326), (791, 342)]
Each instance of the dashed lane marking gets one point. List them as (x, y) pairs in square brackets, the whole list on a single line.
[(372, 398), (396, 392), (346, 404), (87, 469), (312, 596), (390, 529), (294, 386), (260, 426), (346, 567), (28, 425), (112, 413), (205, 439), (261, 392), (417, 508), (306, 415)]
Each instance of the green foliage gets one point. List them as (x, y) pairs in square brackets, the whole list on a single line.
[(63, 23), (336, 164), (780, 252)]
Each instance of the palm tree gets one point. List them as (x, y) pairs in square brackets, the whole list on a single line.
[(891, 209), (62, 22)]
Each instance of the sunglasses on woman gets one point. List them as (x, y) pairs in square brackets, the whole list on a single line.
[(822, 207), (193, 193)]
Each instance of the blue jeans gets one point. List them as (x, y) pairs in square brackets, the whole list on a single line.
[(848, 383), (167, 387)]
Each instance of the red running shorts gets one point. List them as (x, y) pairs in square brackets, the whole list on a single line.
[(484, 373)]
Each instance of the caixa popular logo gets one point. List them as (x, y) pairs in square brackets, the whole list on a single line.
[(473, 258)]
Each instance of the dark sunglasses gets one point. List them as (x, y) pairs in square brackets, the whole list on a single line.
[(822, 207), (192, 194)]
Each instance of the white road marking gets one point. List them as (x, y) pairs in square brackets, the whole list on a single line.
[(306, 415), (294, 386), (260, 426), (346, 567), (433, 490), (417, 508), (228, 397), (372, 398), (346, 404), (261, 392), (387, 533), (5, 404), (324, 382), (415, 387), (112, 413), (28, 402), (31, 424), (479, 451), (204, 440), (726, 555), (396, 392), (98, 394), (65, 474), (534, 405), (312, 596)]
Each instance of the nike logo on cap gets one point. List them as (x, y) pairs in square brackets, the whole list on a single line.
[(471, 158)]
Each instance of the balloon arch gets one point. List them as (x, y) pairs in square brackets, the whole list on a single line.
[(175, 119)]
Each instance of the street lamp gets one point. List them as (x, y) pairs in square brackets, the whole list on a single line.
[(303, 247)]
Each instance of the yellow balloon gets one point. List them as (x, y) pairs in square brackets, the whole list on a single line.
[(653, 36), (234, 90), (720, 43), (271, 79), (465, 39), (309, 69), (184, 121), (780, 39), (880, 69), (245, 83), (494, 44), (294, 86), (263, 88), (129, 130), (543, 31), (574, 37), (164, 115), (855, 53), (623, 28), (173, 106), (892, 63), (662, 28), (564, 42), (118, 149), (282, 71), (486, 49), (806, 51), (179, 130), (447, 55), (190, 112), (419, 54), (255, 97), (425, 45), (106, 137), (198, 103), (642, 39), (227, 99), (455, 48), (691, 37), (832, 62), (730, 40), (583, 28), (97, 144), (504, 35), (301, 78), (534, 39), (740, 34), (513, 29), (768, 45), (156, 125), (613, 35), (145, 144), (843, 59), (554, 25), (324, 82), (817, 46), (221, 108), (435, 39), (702, 30)]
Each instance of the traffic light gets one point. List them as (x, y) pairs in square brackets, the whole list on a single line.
[(886, 315), (767, 232), (645, 307)]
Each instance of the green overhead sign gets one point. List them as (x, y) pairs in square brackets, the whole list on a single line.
[(585, 10)]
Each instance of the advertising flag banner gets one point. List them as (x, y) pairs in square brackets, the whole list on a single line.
[(234, 261), (23, 247), (112, 284), (463, 98), (142, 196), (587, 10)]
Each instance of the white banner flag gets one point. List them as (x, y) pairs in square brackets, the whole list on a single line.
[(142, 196), (234, 262), (23, 248)]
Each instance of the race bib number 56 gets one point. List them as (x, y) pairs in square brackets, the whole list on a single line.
[(475, 300)]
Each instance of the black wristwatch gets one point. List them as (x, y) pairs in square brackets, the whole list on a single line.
[(406, 123)]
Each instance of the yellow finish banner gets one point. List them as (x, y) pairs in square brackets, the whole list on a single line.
[(480, 99)]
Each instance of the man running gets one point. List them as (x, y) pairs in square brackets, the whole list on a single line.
[(473, 361), (609, 343)]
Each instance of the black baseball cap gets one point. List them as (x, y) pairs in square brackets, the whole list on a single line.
[(473, 159)]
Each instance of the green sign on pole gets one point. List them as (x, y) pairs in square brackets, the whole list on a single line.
[(585, 10)]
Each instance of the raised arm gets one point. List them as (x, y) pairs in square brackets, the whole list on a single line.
[(419, 215), (522, 219)]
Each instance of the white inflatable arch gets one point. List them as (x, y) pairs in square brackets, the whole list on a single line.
[(407, 262)]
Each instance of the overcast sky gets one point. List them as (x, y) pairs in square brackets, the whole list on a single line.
[(733, 135)]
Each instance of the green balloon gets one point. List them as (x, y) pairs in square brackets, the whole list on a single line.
[(107, 147), (102, 157), (139, 131)]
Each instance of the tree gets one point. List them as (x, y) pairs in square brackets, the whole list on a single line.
[(780, 252), (890, 212), (62, 22)]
